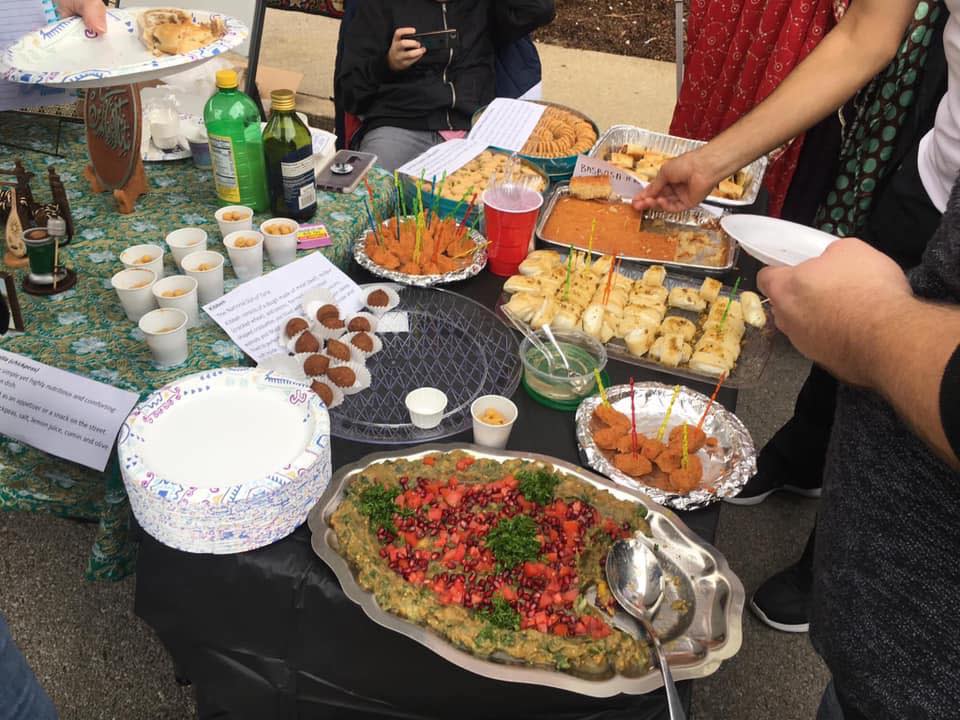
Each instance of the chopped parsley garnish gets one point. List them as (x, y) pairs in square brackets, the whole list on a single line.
[(376, 502), (513, 541), (641, 511), (538, 485), (501, 615)]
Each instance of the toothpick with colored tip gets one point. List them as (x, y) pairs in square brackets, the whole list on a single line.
[(726, 310), (603, 392), (716, 391), (666, 418), (633, 419)]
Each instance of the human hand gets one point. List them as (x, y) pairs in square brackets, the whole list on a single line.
[(682, 183), (93, 12), (404, 53), (836, 308)]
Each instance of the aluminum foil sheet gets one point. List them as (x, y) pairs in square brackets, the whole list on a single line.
[(693, 219), (672, 145), (478, 264), (712, 623), (726, 469)]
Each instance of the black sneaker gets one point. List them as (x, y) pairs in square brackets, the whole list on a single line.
[(783, 601), (773, 474)]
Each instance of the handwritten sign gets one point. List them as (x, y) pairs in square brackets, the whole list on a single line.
[(60, 413), (447, 157), (623, 183), (113, 118), (252, 314)]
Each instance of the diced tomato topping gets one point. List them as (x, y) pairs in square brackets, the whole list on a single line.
[(416, 577), (580, 628), (453, 482), (532, 569), (483, 566), (561, 629), (400, 500), (571, 528), (464, 463), (456, 554), (435, 513), (413, 501), (551, 557), (456, 592), (430, 460), (509, 594), (545, 600), (411, 538), (510, 482), (570, 595), (452, 497), (540, 621)]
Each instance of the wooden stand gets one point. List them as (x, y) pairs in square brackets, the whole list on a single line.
[(125, 196)]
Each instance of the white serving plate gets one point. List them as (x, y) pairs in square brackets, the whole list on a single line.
[(225, 460), (775, 242), (65, 54)]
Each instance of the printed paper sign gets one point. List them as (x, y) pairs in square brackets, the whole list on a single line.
[(507, 123), (251, 314), (446, 158), (60, 413)]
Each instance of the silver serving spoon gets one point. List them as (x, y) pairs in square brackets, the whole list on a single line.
[(636, 581)]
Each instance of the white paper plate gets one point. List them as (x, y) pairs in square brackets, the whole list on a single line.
[(775, 242), (66, 54), (225, 460)]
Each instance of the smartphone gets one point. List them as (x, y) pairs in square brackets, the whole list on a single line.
[(345, 171), (439, 40)]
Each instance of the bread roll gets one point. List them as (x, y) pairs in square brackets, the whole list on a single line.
[(753, 313), (566, 318), (654, 276), (651, 315), (545, 314), (686, 299), (539, 262), (649, 296), (671, 350), (601, 266), (523, 306), (521, 283), (639, 340), (678, 326), (710, 290), (592, 320), (708, 364)]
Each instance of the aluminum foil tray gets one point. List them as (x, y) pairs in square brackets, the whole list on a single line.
[(714, 594), (756, 347), (694, 219), (672, 145), (726, 468), (479, 263)]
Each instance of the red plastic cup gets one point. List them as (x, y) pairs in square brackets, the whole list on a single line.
[(510, 225)]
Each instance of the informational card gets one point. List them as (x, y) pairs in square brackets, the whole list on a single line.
[(251, 314), (313, 236), (447, 157), (63, 414), (507, 123), (17, 18)]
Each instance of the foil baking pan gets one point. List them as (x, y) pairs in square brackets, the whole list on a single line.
[(672, 145), (714, 594), (696, 219), (726, 468), (478, 263), (755, 348)]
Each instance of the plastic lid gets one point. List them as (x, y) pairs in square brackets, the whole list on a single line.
[(227, 79), (282, 100)]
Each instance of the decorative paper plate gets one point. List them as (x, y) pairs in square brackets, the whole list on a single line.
[(775, 242), (726, 468), (226, 460), (66, 54), (477, 263)]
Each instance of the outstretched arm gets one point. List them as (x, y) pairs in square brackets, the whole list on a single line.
[(861, 45), (852, 311)]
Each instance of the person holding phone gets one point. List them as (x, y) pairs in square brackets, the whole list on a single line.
[(415, 71)]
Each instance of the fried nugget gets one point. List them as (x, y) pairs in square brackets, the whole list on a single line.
[(632, 465), (612, 418)]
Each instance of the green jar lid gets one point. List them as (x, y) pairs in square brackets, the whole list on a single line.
[(562, 405)]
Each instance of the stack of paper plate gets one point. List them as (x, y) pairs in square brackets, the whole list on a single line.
[(225, 461)]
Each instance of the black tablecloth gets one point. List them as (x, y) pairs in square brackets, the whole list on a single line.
[(269, 634)]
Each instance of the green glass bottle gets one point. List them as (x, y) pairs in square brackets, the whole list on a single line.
[(289, 150), (236, 146)]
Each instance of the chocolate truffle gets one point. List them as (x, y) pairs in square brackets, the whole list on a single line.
[(316, 365), (359, 324), (342, 376), (297, 325), (307, 343), (323, 390), (332, 323), (327, 311), (378, 299), (362, 341), (338, 350)]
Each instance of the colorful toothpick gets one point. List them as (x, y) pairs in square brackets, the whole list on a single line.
[(666, 418), (593, 230), (726, 310), (633, 419), (685, 448), (603, 392), (716, 391)]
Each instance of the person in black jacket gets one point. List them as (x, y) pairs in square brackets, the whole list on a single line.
[(407, 95)]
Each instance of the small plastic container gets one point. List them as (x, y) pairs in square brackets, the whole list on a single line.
[(184, 241), (226, 222), (206, 267), (426, 406), (166, 333), (147, 256), (486, 431), (281, 248), (134, 287), (247, 259), (179, 291), (550, 379)]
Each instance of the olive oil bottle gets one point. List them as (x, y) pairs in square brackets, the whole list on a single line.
[(289, 151), (236, 146)]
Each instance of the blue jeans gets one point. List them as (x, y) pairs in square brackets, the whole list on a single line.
[(21, 697), (830, 704)]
